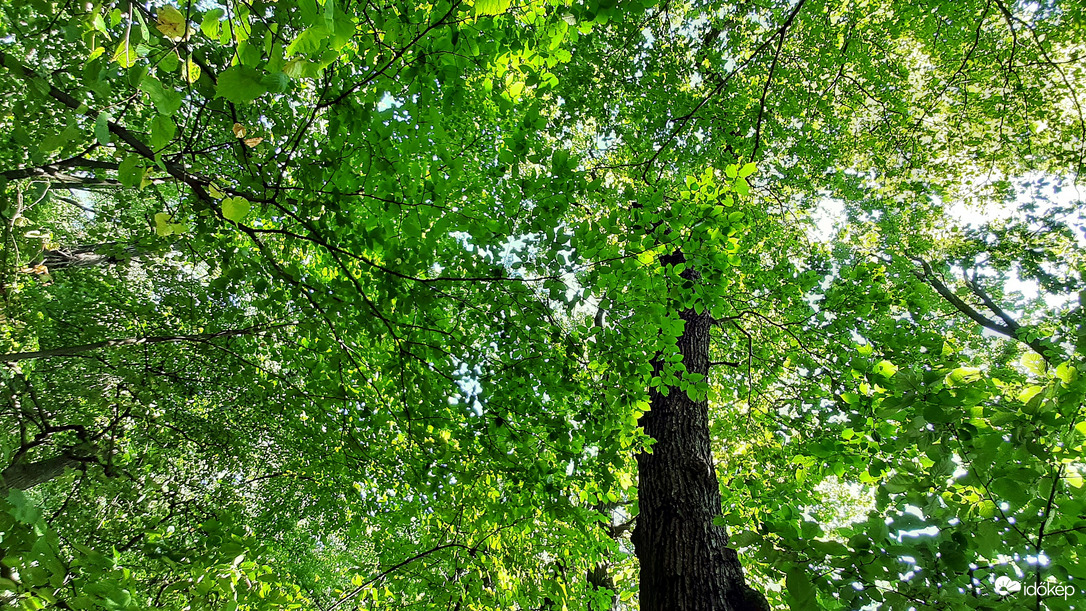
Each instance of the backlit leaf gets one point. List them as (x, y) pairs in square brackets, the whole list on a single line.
[(240, 84), (235, 208)]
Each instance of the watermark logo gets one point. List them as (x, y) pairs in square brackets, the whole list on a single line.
[(1005, 585)]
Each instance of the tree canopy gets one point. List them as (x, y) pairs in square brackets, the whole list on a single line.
[(542, 304)]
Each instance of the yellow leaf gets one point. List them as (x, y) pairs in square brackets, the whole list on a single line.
[(625, 480), (491, 7), (239, 130), (1034, 363), (235, 208), (172, 24), (1075, 480), (251, 142), (125, 55), (191, 71), (162, 224)]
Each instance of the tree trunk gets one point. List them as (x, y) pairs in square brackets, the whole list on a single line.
[(88, 255), (686, 564), (599, 578), (24, 476)]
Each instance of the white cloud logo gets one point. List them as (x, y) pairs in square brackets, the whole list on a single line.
[(1005, 585)]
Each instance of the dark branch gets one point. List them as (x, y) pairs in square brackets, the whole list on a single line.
[(1008, 327), (14, 357)]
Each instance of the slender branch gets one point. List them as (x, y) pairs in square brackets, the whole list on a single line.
[(197, 184), (989, 303), (783, 32), (56, 169), (1009, 327), (353, 593), (14, 357), (685, 119), (388, 64), (929, 276)]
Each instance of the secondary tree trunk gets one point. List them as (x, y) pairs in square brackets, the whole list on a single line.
[(24, 476), (686, 564), (88, 255)]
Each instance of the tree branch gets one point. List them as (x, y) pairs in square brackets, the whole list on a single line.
[(15, 357), (1009, 327), (685, 119), (56, 169), (196, 183)]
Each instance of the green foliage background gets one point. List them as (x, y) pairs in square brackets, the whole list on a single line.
[(367, 296)]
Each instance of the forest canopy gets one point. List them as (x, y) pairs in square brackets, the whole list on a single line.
[(542, 304)]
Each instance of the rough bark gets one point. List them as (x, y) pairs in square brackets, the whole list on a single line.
[(686, 564), (24, 476), (599, 578), (87, 255)]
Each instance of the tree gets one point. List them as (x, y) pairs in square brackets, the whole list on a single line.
[(442, 302)]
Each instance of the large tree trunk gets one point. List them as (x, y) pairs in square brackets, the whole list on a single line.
[(686, 564), (24, 476)]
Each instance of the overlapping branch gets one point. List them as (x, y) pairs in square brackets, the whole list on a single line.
[(14, 357), (1004, 324)]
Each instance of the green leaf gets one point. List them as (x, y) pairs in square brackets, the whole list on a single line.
[(276, 82), (1034, 363), (25, 511), (163, 226), (130, 172), (162, 131), (210, 24), (240, 84), (801, 594), (1029, 392), (885, 369), (741, 186), (101, 128), (235, 208), (747, 170), (310, 42), (125, 55), (965, 375), (166, 101), (986, 509), (169, 63), (491, 7)]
